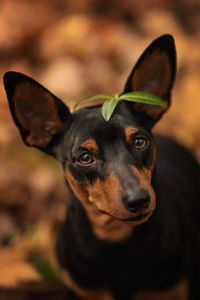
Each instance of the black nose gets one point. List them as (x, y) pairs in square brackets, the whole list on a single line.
[(135, 201)]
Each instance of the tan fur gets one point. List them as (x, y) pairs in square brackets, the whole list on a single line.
[(86, 294), (146, 173), (178, 292), (129, 134), (105, 226), (79, 190), (34, 117), (144, 177), (91, 146), (103, 205)]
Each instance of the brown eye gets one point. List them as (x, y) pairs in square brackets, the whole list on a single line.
[(85, 159), (140, 143)]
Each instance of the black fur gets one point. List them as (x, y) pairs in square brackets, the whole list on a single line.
[(158, 253)]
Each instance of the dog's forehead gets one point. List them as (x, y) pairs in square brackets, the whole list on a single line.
[(89, 123)]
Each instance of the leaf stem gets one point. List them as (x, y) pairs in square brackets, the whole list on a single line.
[(111, 102)]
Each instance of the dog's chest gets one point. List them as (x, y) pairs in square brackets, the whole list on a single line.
[(131, 265)]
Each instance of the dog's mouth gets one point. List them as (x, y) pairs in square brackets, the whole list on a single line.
[(139, 217), (136, 218)]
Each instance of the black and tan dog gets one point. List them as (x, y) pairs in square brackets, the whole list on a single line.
[(131, 230)]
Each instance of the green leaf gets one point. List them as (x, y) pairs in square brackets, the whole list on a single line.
[(110, 104), (117, 97), (108, 108), (95, 97), (142, 97)]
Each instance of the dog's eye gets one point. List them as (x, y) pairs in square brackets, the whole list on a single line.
[(85, 159), (140, 143)]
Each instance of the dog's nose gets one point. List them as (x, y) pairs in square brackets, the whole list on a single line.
[(137, 200)]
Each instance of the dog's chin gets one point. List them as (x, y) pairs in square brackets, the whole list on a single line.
[(139, 218), (135, 219)]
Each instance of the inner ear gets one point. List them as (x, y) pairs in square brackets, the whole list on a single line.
[(38, 113), (154, 73)]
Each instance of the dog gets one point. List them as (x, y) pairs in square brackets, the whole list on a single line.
[(132, 225)]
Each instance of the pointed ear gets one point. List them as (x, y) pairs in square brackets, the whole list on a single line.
[(154, 73), (38, 114)]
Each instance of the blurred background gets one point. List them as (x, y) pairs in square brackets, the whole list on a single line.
[(77, 48)]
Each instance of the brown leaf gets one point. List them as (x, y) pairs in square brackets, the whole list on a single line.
[(13, 266)]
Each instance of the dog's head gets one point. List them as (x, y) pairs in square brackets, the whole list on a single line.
[(108, 165)]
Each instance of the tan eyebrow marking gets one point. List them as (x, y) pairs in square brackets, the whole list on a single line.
[(129, 133), (90, 145)]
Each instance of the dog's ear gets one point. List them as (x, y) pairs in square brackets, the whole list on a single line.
[(38, 114), (154, 73)]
